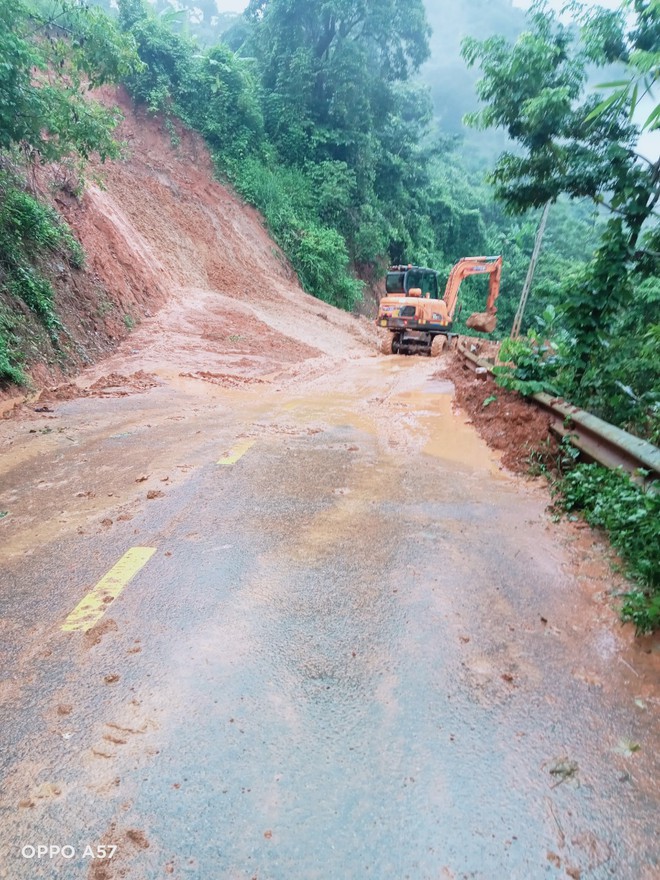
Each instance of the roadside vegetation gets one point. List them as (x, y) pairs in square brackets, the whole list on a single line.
[(600, 347), (52, 54), (629, 515)]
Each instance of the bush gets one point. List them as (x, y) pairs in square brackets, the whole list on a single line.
[(30, 230), (320, 257), (622, 384), (10, 370), (26, 221), (318, 253), (533, 368), (630, 516), (36, 292)]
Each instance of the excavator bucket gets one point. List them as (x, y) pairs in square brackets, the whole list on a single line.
[(484, 322)]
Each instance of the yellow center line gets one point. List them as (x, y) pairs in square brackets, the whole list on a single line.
[(237, 452), (92, 608)]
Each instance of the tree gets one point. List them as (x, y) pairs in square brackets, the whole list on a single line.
[(51, 56), (328, 65), (336, 80), (570, 142), (639, 55)]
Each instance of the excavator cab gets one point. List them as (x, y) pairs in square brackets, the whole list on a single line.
[(402, 280)]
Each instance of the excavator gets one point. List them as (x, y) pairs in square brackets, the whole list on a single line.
[(417, 319)]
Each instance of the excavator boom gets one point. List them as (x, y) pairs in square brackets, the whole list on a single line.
[(474, 266)]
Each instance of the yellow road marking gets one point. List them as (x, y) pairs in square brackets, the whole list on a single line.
[(237, 452), (92, 608)]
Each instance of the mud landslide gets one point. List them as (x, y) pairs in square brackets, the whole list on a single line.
[(166, 243)]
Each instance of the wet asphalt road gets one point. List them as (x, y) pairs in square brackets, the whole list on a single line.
[(353, 654)]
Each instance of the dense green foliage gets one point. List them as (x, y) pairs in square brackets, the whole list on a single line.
[(328, 70), (52, 54), (609, 500), (624, 392), (572, 142), (28, 230), (639, 52)]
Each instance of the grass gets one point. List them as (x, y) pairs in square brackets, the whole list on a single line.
[(630, 515), (31, 234)]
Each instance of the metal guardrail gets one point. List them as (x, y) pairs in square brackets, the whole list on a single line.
[(596, 439)]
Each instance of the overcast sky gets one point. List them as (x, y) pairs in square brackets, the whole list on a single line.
[(239, 5)]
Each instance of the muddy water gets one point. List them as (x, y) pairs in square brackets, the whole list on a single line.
[(360, 650)]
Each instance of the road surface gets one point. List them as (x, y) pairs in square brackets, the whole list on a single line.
[(325, 637)]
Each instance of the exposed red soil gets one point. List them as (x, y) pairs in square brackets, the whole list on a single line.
[(166, 243), (508, 423), (139, 380), (66, 391), (224, 380)]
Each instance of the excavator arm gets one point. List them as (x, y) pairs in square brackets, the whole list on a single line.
[(491, 266)]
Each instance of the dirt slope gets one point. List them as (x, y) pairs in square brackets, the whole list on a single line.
[(163, 237)]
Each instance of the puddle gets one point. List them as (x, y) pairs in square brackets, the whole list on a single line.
[(438, 386), (445, 435)]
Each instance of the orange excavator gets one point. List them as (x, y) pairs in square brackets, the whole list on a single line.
[(418, 320)]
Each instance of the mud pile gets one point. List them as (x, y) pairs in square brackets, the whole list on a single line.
[(505, 420)]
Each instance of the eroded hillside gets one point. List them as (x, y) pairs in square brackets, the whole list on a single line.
[(160, 233)]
